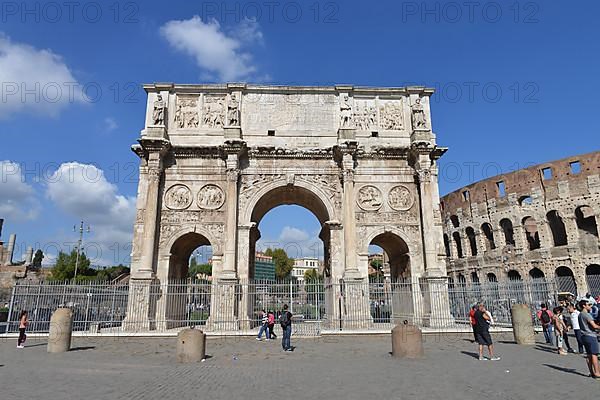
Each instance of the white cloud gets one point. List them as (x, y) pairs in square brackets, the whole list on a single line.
[(296, 242), (18, 200), (82, 191), (290, 234), (217, 52), (110, 124), (35, 81)]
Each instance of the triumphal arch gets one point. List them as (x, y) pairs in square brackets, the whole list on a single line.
[(216, 158)]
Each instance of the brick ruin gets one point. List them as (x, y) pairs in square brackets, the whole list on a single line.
[(536, 222)]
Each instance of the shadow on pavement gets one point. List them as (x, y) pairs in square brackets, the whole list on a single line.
[(83, 348), (546, 349), (36, 345), (470, 353), (562, 369), (507, 341)]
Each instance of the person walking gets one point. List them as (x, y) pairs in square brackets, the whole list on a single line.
[(589, 338), (271, 323), (559, 329), (545, 317), (575, 324), (264, 325), (285, 320), (482, 333), (23, 322)]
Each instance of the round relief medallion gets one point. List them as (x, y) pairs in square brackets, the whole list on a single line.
[(369, 198), (211, 197), (178, 197), (400, 198)]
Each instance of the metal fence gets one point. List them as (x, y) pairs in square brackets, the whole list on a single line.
[(317, 306)]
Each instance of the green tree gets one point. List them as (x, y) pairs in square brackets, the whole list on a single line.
[(112, 273), (283, 264), (37, 259), (312, 275), (202, 269), (64, 269), (377, 265)]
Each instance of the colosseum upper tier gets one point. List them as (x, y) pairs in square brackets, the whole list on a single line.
[(535, 222)]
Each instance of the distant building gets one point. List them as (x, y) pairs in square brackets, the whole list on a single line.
[(382, 258), (264, 267), (301, 265)]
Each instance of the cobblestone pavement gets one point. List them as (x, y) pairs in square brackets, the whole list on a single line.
[(357, 367)]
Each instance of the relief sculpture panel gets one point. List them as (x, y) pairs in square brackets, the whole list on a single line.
[(178, 197), (369, 198)]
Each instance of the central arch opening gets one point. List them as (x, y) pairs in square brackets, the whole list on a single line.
[(288, 254)]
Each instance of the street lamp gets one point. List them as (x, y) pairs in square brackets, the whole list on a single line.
[(79, 243)]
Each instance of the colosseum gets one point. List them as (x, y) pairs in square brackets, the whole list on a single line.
[(537, 222)]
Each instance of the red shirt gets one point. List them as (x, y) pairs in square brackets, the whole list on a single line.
[(472, 317)]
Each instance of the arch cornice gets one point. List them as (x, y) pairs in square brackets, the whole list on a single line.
[(282, 183), (413, 246), (203, 230)]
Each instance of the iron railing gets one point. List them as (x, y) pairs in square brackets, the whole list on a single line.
[(317, 306)]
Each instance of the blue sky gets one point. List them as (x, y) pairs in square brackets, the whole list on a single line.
[(517, 84)]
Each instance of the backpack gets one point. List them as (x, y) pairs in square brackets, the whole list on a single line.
[(545, 317), (284, 319)]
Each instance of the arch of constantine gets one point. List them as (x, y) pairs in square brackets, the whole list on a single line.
[(214, 159)]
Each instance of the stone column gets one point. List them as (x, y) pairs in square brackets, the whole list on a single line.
[(521, 242), (140, 310), (243, 269), (155, 167), (349, 223), (571, 230), (229, 270)]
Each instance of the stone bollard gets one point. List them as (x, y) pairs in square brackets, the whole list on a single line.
[(61, 328), (522, 324), (191, 346), (407, 342)]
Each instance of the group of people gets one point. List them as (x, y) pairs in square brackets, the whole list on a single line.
[(481, 319), (580, 317), (267, 326)]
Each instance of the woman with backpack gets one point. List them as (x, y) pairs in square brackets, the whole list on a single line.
[(285, 320), (545, 317)]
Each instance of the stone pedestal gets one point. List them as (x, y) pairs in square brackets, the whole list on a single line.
[(222, 307), (522, 324), (191, 346), (139, 306), (439, 302), (61, 328), (407, 342), (356, 309)]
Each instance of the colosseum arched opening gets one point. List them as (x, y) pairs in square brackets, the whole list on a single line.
[(557, 226)]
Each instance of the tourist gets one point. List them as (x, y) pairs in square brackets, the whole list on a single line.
[(575, 324), (23, 322), (286, 324), (264, 325), (271, 323), (559, 329), (545, 317), (482, 333), (473, 322), (589, 338), (590, 299)]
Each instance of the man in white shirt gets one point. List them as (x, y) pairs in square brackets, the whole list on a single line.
[(574, 312)]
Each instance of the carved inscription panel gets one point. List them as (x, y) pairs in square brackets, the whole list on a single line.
[(308, 112)]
